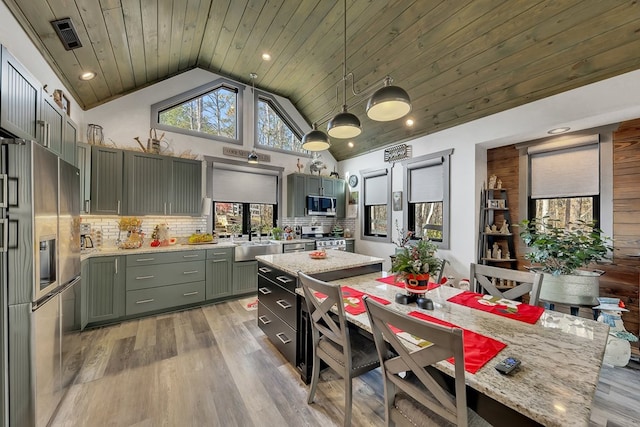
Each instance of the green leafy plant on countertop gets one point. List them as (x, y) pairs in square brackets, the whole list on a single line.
[(418, 258), (561, 251)]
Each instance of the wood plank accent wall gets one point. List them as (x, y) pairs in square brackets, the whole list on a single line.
[(622, 277)]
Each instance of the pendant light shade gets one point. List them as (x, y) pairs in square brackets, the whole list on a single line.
[(344, 125), (253, 157), (388, 103), (315, 140)]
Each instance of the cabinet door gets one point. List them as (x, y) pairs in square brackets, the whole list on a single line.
[(69, 142), (147, 183), (351, 246), (19, 99), (106, 289), (245, 277), (52, 120), (339, 189), (218, 279), (313, 185), (296, 195), (83, 162), (327, 187), (84, 306), (106, 181), (186, 187)]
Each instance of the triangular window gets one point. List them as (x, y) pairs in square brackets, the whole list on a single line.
[(274, 129)]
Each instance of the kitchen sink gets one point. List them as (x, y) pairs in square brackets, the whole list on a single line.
[(247, 251)]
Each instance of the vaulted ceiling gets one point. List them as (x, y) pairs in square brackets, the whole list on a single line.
[(458, 60)]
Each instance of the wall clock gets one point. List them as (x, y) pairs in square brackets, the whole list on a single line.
[(353, 180)]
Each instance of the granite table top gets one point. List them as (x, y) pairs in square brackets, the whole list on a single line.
[(561, 354), (301, 261)]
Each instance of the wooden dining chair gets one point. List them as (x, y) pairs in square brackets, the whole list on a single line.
[(526, 282), (414, 390), (349, 353)]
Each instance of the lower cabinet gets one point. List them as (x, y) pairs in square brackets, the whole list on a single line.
[(152, 299), (245, 277), (219, 273), (278, 310), (351, 246), (106, 289)]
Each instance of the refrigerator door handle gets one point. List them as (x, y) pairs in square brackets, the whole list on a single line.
[(3, 202)]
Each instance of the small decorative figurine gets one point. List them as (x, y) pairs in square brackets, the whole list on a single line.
[(499, 184), (492, 182), (505, 228), (494, 228), (487, 229), (496, 252), (300, 166)]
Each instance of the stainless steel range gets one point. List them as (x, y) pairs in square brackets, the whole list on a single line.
[(322, 235)]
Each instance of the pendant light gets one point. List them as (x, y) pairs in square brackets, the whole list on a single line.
[(344, 124), (253, 156), (388, 103), (316, 140)]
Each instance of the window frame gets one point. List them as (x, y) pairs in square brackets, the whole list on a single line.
[(183, 97), (365, 175), (419, 163), (284, 116)]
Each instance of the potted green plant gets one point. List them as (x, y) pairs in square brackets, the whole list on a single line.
[(277, 233), (560, 253), (414, 263)]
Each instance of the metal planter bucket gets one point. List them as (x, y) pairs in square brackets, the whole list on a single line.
[(582, 288)]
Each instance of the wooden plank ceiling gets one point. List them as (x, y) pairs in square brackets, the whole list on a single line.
[(458, 60)]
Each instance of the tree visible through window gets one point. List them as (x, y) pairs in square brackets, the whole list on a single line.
[(273, 131), (214, 113)]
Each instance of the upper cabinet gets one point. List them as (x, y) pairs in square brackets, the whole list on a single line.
[(69, 142), (299, 186), (19, 99), (52, 125), (147, 178), (106, 180), (185, 197)]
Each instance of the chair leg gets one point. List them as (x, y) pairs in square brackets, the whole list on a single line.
[(347, 399), (315, 376)]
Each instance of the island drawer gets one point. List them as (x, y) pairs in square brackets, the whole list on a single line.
[(142, 277), (279, 300), (164, 257), (278, 277), (219, 253), (278, 332), (145, 300)]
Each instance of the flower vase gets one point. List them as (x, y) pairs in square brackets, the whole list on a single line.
[(416, 283)]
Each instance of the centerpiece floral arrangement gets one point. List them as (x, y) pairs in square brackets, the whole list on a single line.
[(414, 262)]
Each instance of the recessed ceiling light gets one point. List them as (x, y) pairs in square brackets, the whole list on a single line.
[(87, 75), (350, 144), (266, 56), (409, 122), (559, 130)]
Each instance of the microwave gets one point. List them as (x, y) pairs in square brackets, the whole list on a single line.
[(320, 205)]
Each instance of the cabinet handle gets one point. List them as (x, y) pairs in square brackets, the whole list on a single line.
[(144, 277), (190, 272), (284, 279), (264, 319), (264, 291), (3, 202), (87, 206), (265, 270), (219, 253), (115, 262), (190, 256), (284, 304), (5, 235), (118, 209), (144, 301), (284, 340), (169, 208), (188, 294), (144, 259), (165, 208)]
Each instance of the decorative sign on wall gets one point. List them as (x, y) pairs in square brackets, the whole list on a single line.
[(237, 152), (397, 152)]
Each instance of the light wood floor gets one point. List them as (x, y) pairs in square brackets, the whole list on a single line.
[(213, 366)]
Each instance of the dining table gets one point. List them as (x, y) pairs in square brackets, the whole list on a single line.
[(561, 355)]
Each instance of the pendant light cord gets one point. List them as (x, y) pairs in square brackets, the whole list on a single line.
[(344, 64)]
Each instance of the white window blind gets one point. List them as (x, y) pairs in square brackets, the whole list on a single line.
[(244, 187), (568, 172), (376, 191), (426, 181)]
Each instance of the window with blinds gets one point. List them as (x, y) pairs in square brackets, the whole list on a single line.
[(427, 184), (376, 218)]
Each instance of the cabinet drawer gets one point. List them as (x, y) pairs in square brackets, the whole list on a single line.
[(150, 276), (277, 299), (164, 257), (144, 300), (219, 253), (278, 332), (285, 280)]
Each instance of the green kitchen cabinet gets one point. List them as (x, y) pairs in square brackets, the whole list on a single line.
[(19, 99), (340, 193), (299, 186), (106, 289), (84, 306), (316, 185), (69, 141), (245, 277), (296, 195), (106, 181), (147, 183), (219, 283), (185, 196), (310, 246), (351, 245), (83, 162), (52, 122)]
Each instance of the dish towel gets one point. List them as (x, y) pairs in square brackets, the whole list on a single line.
[(500, 306), (352, 299)]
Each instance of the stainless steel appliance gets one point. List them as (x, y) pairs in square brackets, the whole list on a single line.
[(321, 206), (40, 264), (322, 236)]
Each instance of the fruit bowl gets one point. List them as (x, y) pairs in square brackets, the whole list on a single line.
[(318, 255)]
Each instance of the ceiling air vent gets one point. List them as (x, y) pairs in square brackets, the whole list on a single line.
[(67, 33)]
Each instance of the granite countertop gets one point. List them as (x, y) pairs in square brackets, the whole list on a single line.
[(561, 354), (300, 261)]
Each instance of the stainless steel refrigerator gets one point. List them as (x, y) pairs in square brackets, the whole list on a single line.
[(40, 266)]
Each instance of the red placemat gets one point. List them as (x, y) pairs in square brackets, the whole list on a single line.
[(478, 349), (391, 280), (352, 299), (500, 306)]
